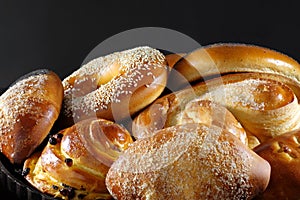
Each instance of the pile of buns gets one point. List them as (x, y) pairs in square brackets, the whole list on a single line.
[(220, 122)]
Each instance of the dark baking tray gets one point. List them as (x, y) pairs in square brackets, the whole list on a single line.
[(14, 185)]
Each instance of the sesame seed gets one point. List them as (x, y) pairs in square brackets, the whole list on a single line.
[(19, 100), (134, 64)]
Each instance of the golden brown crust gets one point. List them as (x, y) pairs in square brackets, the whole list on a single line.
[(115, 86), (257, 101), (283, 154), (28, 110), (190, 161), (205, 112), (247, 90), (172, 59), (78, 157), (223, 58)]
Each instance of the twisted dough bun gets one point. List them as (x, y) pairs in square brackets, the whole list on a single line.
[(224, 58), (75, 161), (157, 117), (28, 110), (257, 101), (114, 86), (189, 161), (283, 154)]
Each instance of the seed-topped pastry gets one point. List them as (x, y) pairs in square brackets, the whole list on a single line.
[(28, 110), (114, 86)]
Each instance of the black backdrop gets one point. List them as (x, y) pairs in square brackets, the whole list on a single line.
[(58, 35)]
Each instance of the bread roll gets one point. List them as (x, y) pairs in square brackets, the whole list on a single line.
[(28, 110), (190, 161), (74, 163), (223, 58), (283, 154)]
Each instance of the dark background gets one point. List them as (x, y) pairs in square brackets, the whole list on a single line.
[(58, 35)]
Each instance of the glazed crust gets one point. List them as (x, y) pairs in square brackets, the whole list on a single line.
[(28, 110), (283, 154), (195, 116), (75, 161), (224, 58), (256, 100)]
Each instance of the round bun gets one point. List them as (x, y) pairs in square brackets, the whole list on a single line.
[(114, 86), (283, 154), (75, 161), (28, 110), (190, 161), (224, 58)]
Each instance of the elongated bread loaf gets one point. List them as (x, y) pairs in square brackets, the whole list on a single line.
[(28, 110)]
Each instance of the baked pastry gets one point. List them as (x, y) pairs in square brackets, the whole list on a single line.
[(114, 86), (283, 154), (206, 112), (74, 163), (28, 110), (256, 100), (190, 161), (223, 58), (191, 143)]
